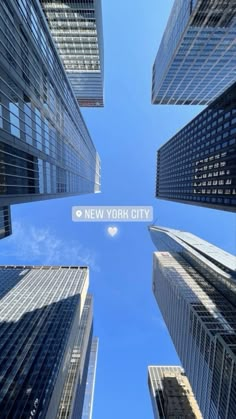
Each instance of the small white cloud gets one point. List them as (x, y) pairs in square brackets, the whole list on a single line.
[(32, 245)]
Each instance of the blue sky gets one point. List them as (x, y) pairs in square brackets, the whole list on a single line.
[(127, 133)]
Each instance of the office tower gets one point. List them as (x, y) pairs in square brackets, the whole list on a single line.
[(198, 165), (76, 27), (194, 285), (46, 335), (45, 148), (72, 398), (90, 385), (196, 60), (5, 221), (171, 393)]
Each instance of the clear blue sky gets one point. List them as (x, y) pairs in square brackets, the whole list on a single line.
[(127, 133)]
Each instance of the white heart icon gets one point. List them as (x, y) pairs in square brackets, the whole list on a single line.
[(112, 231)]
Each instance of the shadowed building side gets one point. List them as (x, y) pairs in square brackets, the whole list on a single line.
[(195, 291), (197, 166), (45, 149), (5, 221), (46, 334)]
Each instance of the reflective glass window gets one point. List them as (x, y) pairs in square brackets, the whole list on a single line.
[(14, 118)]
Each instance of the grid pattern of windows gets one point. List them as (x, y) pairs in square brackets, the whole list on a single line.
[(196, 58), (77, 30), (5, 221), (90, 384), (218, 266), (171, 393), (39, 115), (74, 388), (197, 165), (39, 321), (202, 324)]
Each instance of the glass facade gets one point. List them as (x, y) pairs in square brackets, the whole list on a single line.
[(46, 333), (198, 165), (171, 393), (5, 221), (77, 30), (45, 147), (90, 384), (200, 315), (71, 404), (196, 59)]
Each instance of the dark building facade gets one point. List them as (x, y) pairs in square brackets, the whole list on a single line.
[(46, 333), (5, 221), (77, 31), (196, 61), (198, 165), (45, 148), (194, 285)]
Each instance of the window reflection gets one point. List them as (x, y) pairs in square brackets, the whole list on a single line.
[(41, 176), (28, 120), (38, 129), (48, 177), (14, 118)]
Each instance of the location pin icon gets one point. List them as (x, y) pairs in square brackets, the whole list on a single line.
[(78, 213)]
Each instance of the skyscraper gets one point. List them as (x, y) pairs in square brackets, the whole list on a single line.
[(194, 285), (198, 165), (45, 148), (89, 390), (171, 393), (46, 333), (196, 59), (76, 27), (5, 221)]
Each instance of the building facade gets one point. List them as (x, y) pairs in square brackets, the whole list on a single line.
[(198, 165), (45, 148), (77, 31), (46, 334), (72, 399), (196, 60), (171, 393), (5, 221), (195, 290), (90, 385)]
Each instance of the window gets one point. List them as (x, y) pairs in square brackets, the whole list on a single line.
[(34, 24), (48, 177), (38, 129), (14, 118), (46, 135), (1, 120), (23, 7), (41, 176), (28, 120)]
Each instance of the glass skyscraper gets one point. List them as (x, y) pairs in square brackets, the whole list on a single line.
[(5, 221), (45, 148), (76, 27), (198, 165), (90, 384), (194, 285), (171, 393), (196, 60), (46, 321)]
